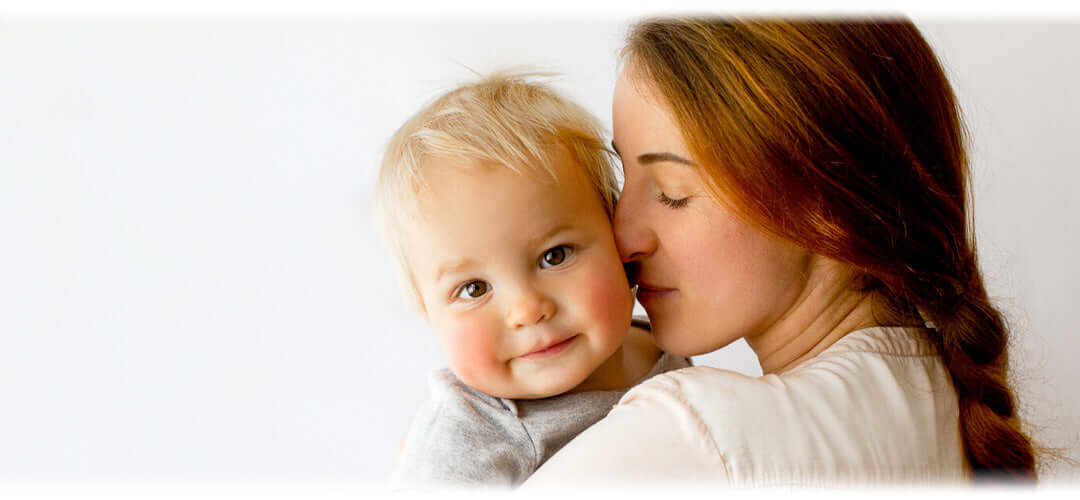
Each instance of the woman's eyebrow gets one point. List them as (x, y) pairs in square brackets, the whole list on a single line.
[(648, 158)]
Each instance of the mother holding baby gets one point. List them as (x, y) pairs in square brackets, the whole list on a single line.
[(801, 185)]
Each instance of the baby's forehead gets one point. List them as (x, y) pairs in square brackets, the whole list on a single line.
[(450, 192), (542, 169), (447, 189), (440, 178)]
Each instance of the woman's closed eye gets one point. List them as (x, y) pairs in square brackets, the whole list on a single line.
[(471, 290), (672, 202), (555, 256)]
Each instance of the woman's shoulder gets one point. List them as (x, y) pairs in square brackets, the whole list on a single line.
[(713, 404), (831, 410), (857, 368), (877, 407), (707, 394), (691, 380)]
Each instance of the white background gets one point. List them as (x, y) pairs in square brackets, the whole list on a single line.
[(190, 283)]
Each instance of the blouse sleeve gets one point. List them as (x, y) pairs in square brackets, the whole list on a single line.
[(653, 435)]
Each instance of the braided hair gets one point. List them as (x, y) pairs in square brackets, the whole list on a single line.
[(845, 138)]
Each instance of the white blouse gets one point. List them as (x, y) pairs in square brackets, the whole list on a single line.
[(877, 407)]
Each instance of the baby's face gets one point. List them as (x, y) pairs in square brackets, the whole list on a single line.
[(520, 277)]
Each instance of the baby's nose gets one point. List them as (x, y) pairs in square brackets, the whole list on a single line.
[(530, 308)]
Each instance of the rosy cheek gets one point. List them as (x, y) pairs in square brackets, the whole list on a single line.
[(607, 296), (471, 347)]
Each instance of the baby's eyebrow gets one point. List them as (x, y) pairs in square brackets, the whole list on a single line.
[(546, 236), (453, 267)]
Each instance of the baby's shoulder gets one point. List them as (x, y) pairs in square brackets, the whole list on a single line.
[(455, 414), (447, 389), (463, 437)]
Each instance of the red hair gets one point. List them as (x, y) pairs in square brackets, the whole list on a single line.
[(845, 138)]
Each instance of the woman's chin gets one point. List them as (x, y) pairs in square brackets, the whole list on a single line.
[(672, 343), (683, 340)]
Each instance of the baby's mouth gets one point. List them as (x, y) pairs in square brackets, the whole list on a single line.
[(549, 349)]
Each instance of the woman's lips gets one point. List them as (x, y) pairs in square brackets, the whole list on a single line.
[(642, 285), (647, 292), (549, 349)]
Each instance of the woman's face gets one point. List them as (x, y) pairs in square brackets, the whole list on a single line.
[(705, 276)]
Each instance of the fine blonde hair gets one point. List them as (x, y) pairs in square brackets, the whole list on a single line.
[(506, 119)]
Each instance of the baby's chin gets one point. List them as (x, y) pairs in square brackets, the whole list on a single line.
[(529, 391)]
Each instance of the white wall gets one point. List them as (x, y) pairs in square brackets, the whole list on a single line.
[(191, 284), (1019, 87)]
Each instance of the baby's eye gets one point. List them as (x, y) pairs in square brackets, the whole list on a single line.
[(555, 256), (472, 290)]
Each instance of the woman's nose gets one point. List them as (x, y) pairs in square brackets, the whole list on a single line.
[(633, 236), (529, 308)]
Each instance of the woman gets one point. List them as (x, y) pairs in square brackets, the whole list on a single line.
[(801, 185)]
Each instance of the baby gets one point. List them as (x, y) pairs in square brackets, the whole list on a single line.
[(497, 201)]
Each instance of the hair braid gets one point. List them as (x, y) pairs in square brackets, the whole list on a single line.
[(972, 339), (845, 138)]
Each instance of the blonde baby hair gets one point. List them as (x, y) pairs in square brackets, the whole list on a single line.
[(505, 119)]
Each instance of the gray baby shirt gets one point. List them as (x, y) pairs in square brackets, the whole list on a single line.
[(463, 437)]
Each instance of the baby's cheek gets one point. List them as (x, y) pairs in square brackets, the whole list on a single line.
[(471, 349), (607, 297)]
